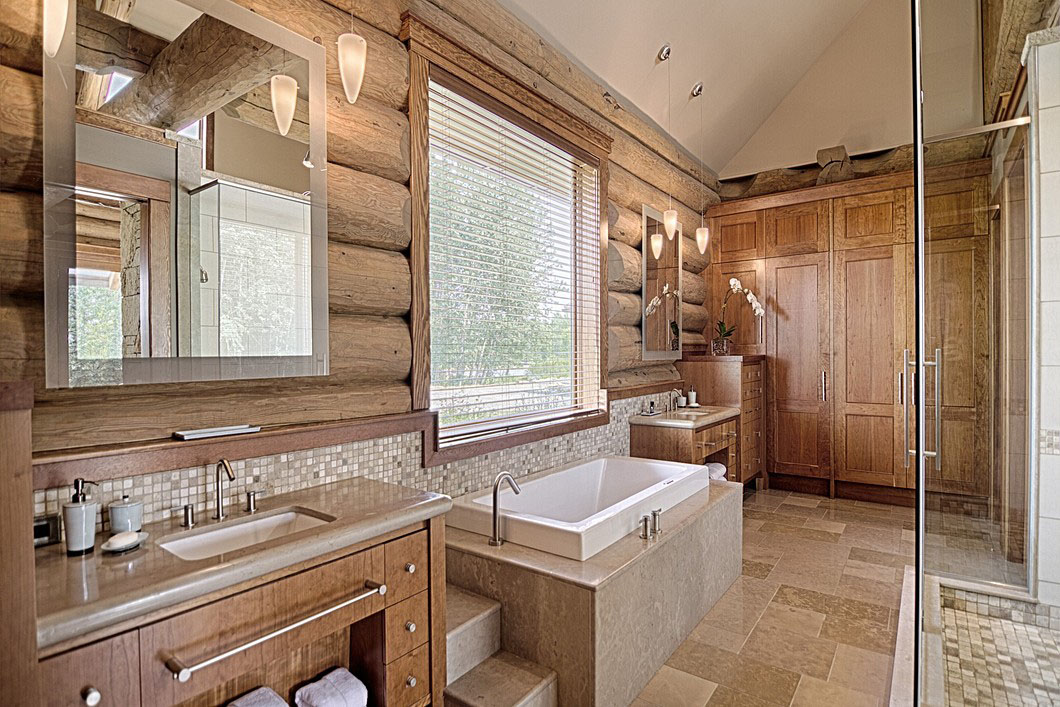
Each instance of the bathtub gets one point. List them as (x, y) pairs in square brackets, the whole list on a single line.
[(578, 510)]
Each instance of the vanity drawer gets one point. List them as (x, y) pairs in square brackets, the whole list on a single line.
[(751, 408), (406, 626), (751, 372), (408, 679), (109, 667), (406, 567), (752, 390), (225, 624), (711, 439)]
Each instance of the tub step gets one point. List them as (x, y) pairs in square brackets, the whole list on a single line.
[(473, 630), (504, 680)]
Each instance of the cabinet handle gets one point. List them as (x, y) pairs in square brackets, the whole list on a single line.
[(410, 681), (824, 386), (91, 696), (410, 627), (410, 568), (183, 673)]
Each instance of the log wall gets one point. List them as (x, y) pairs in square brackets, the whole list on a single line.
[(368, 225)]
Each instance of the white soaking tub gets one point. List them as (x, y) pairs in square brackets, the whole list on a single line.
[(578, 510)]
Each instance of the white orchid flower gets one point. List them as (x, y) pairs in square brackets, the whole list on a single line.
[(735, 284)]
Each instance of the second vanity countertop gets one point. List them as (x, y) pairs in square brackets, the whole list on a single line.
[(688, 418), (78, 595)]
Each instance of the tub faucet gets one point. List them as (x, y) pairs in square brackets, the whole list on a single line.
[(218, 487), (496, 540)]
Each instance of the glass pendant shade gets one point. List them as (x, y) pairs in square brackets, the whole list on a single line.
[(284, 91), (702, 239), (656, 244), (55, 12), (670, 222), (353, 51)]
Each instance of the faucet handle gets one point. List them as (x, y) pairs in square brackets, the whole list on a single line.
[(656, 521)]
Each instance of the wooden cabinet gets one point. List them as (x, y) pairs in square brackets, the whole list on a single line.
[(869, 326), (799, 346), (749, 336), (799, 228), (714, 443), (956, 208), (388, 641), (738, 237), (874, 219), (110, 668), (734, 381)]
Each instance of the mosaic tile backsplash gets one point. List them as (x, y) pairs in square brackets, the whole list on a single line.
[(396, 459)]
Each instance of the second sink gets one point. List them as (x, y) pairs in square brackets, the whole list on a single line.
[(213, 540)]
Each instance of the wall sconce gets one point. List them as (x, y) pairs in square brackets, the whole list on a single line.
[(702, 239), (353, 52), (656, 244), (284, 91), (55, 13)]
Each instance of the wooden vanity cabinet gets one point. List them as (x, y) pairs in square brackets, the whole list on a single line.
[(713, 443), (385, 640)]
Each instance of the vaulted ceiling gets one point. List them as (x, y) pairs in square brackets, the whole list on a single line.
[(749, 53)]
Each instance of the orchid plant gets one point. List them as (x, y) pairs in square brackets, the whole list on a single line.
[(723, 332), (656, 302)]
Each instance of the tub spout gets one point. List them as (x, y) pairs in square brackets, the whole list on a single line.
[(496, 540)]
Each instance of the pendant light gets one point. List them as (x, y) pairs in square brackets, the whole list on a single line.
[(670, 215), (284, 90), (656, 244), (55, 14), (353, 52), (703, 232)]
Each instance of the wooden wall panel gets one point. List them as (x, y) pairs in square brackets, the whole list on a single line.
[(799, 228), (867, 220), (749, 336)]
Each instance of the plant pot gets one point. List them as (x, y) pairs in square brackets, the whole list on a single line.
[(719, 347)]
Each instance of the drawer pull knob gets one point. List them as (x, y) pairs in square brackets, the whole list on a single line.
[(410, 568), (91, 696), (410, 681), (410, 627)]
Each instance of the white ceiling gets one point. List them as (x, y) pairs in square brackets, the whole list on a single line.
[(748, 53)]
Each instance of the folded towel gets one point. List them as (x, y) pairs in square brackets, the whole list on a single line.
[(262, 697), (339, 688), (715, 470)]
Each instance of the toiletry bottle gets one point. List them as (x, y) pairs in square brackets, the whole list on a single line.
[(79, 519), (692, 395)]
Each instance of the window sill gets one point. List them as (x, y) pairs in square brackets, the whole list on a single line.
[(435, 455)]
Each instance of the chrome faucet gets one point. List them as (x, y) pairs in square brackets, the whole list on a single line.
[(672, 397), (496, 540), (219, 487)]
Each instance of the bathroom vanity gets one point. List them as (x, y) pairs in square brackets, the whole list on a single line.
[(364, 589)]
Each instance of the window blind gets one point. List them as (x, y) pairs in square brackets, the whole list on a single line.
[(514, 273)]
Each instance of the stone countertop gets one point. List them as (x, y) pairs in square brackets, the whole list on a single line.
[(596, 571), (688, 418), (78, 595)]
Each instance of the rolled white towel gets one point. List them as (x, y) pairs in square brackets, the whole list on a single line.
[(339, 688), (715, 470), (262, 697)]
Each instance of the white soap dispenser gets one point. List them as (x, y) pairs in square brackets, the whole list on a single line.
[(79, 519)]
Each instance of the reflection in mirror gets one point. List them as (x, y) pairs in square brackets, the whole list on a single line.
[(186, 214), (660, 288)]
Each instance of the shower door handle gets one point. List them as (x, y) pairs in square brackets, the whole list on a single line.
[(937, 454), (905, 407)]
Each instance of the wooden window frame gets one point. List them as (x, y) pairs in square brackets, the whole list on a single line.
[(432, 54)]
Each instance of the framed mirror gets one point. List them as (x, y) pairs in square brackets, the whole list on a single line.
[(660, 324), (185, 233)]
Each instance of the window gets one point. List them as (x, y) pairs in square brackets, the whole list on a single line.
[(514, 253)]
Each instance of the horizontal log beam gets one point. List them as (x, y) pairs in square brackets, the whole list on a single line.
[(255, 108), (105, 43), (623, 267), (693, 289), (369, 349), (692, 261), (367, 210), (659, 373), (623, 309), (626, 227), (369, 137), (367, 281), (632, 192), (21, 130), (21, 25), (694, 317), (21, 244)]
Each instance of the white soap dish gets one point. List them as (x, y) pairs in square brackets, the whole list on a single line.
[(123, 542)]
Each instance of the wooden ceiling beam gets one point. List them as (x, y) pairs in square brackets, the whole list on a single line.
[(255, 108), (207, 66), (106, 44)]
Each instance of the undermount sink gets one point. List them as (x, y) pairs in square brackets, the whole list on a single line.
[(237, 534)]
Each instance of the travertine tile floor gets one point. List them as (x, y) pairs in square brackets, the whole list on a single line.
[(813, 619), (968, 547)]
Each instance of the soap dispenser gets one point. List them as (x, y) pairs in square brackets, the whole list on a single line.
[(79, 519)]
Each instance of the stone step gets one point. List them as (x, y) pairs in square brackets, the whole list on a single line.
[(504, 680), (473, 630)]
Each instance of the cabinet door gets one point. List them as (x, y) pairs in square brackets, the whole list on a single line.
[(876, 219), (955, 208), (799, 228), (738, 236), (799, 347), (110, 668), (956, 324), (869, 325), (748, 338)]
